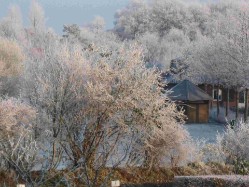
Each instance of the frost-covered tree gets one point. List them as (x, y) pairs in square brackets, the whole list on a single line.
[(160, 51), (234, 28), (167, 15), (152, 48), (209, 64), (199, 22), (94, 103), (98, 24), (14, 116), (11, 26), (72, 32), (233, 146), (18, 150), (11, 58), (89, 38), (133, 20), (11, 66), (224, 49), (160, 17), (174, 45), (164, 28), (37, 17)]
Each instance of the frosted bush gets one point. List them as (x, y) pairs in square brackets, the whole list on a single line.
[(235, 142), (231, 147), (213, 153)]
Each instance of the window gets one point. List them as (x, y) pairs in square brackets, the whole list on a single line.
[(215, 95)]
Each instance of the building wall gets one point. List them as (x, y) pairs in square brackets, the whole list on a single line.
[(203, 111), (196, 112), (232, 96)]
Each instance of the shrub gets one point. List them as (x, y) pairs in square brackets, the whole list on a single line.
[(11, 58), (234, 146), (18, 149)]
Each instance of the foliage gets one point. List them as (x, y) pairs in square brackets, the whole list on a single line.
[(11, 26), (93, 103), (140, 175), (37, 17), (15, 116), (11, 58), (18, 148), (234, 144), (102, 110)]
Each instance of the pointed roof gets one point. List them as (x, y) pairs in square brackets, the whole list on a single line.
[(187, 91)]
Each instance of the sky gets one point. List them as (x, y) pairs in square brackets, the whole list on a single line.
[(60, 12), (81, 12)]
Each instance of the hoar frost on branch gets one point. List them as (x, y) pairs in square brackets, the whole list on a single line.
[(92, 102)]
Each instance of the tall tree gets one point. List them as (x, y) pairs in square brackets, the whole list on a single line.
[(11, 66), (98, 24), (236, 25), (37, 17), (11, 26)]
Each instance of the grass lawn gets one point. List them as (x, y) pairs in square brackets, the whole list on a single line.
[(205, 131)]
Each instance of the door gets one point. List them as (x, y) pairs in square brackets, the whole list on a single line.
[(203, 113), (192, 111)]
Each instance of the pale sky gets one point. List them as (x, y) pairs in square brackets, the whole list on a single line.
[(59, 12)]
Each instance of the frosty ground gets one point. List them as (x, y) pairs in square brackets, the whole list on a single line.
[(206, 131)]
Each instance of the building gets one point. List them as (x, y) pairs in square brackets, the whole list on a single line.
[(223, 95), (193, 100)]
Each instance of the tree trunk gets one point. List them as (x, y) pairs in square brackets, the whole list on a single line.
[(218, 103), (237, 102), (227, 104), (246, 106), (213, 97)]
